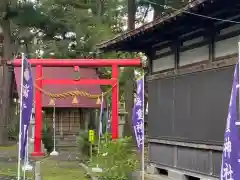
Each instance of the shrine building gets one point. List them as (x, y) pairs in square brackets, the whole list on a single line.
[(191, 55), (72, 114)]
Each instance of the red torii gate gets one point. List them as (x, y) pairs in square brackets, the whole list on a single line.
[(39, 63)]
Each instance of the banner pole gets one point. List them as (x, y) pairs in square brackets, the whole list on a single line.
[(143, 129), (25, 162), (238, 82), (27, 166), (24, 165), (238, 86), (20, 122), (54, 152)]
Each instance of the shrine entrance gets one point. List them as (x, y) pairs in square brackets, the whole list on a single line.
[(75, 63)]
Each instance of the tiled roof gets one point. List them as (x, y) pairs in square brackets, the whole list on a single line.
[(148, 26)]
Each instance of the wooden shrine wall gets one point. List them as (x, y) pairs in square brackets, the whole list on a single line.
[(189, 91), (69, 121), (191, 107)]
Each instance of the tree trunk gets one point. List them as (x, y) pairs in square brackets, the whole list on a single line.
[(131, 14), (6, 81), (129, 85), (129, 98), (100, 5)]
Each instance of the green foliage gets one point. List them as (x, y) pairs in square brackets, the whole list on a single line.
[(13, 127), (83, 144), (87, 23), (47, 137), (116, 158)]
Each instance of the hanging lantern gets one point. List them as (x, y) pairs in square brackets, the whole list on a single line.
[(75, 100), (52, 102), (98, 101)]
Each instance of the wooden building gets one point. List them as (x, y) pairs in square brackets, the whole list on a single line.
[(191, 56), (71, 117)]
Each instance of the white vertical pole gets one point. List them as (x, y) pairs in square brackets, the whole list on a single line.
[(100, 125), (54, 152), (143, 141), (27, 166), (238, 86), (54, 128), (27, 148), (239, 80), (20, 122), (25, 159)]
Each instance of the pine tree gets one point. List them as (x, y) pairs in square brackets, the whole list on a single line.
[(18, 21)]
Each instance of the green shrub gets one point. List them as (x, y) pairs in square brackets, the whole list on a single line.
[(47, 137), (83, 144), (13, 126), (116, 158)]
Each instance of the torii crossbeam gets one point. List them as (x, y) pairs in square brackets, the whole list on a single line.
[(39, 63)]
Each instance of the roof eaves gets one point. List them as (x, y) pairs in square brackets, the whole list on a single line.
[(150, 25)]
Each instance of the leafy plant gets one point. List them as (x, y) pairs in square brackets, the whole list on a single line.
[(47, 137), (13, 128), (83, 143), (116, 158)]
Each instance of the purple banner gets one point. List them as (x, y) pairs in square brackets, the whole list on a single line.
[(108, 120), (230, 168), (101, 117), (27, 103), (138, 114)]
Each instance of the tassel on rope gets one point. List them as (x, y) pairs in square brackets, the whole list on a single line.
[(75, 100), (52, 102), (98, 101)]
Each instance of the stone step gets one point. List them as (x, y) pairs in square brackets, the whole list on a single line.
[(67, 148), (66, 137), (66, 144), (66, 141)]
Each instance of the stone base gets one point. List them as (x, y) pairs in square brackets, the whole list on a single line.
[(137, 175), (174, 173), (37, 154), (177, 175), (151, 169), (31, 146)]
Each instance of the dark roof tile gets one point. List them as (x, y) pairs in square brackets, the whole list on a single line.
[(146, 27)]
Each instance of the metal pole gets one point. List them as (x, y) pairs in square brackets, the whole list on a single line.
[(54, 128), (20, 123), (239, 80), (143, 141), (238, 86), (27, 166), (25, 161), (37, 170), (54, 153)]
